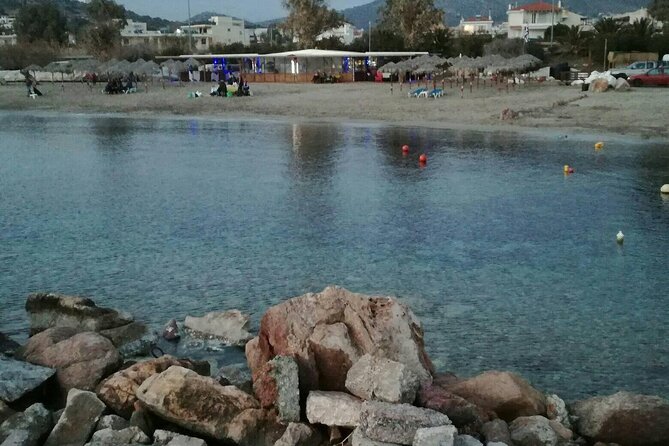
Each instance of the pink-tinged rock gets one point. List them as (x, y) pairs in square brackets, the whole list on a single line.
[(325, 332), (466, 416), (119, 390), (81, 360), (624, 418), (505, 393)]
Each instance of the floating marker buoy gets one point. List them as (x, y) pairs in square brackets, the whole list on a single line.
[(571, 170), (620, 237), (599, 145), (665, 189), (422, 158), (566, 168), (405, 149)]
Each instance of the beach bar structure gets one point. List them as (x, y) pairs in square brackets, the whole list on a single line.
[(299, 66)]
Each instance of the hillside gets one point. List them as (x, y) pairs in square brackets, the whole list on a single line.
[(360, 16)]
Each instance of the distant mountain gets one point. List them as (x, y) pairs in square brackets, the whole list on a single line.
[(360, 16)]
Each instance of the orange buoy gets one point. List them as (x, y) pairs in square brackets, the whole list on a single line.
[(405, 149), (422, 158)]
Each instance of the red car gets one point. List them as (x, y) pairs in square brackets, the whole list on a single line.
[(658, 77)]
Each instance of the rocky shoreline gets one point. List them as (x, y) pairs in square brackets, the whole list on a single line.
[(329, 368)]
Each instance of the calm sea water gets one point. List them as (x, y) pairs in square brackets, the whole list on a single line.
[(508, 263)]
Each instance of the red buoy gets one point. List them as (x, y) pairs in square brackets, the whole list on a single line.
[(422, 158), (405, 149)]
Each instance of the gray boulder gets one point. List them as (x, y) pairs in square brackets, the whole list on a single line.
[(496, 431), (7, 345), (131, 340), (358, 439), (382, 379), (533, 431), (171, 331), (163, 438), (466, 440), (113, 422), (5, 412), (277, 385), (81, 415), (435, 436), (17, 378), (624, 418), (237, 375), (333, 409), (110, 437), (230, 326), (28, 428), (299, 434), (48, 310), (556, 409), (396, 423)]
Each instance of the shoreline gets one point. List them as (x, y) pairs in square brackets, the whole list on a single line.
[(544, 109)]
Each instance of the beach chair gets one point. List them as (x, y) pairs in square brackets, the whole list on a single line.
[(436, 93), (417, 92)]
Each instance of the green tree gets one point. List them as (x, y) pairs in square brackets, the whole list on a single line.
[(103, 36), (307, 19), (574, 40), (607, 27), (412, 19), (41, 22), (439, 41), (659, 9)]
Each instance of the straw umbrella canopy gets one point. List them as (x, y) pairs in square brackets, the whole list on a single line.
[(192, 62), (33, 67), (149, 68), (390, 67)]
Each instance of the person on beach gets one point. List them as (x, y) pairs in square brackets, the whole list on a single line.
[(29, 84)]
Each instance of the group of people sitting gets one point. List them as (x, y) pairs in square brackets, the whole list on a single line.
[(234, 87), (119, 85)]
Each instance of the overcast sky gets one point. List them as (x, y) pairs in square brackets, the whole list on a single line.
[(247, 9)]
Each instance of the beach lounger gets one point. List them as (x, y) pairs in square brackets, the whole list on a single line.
[(436, 93), (416, 93)]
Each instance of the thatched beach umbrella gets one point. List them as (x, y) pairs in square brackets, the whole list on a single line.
[(33, 67), (149, 68), (192, 62)]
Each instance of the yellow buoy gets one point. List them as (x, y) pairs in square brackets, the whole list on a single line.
[(599, 145), (566, 168)]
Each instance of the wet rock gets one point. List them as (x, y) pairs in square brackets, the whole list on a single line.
[(333, 409), (396, 423), (230, 326), (142, 419), (496, 431), (505, 393), (533, 431), (299, 434), (18, 378), (435, 436), (380, 326), (27, 428), (382, 379), (358, 439), (113, 422), (164, 438), (277, 385), (110, 437), (556, 409), (625, 418), (7, 345), (132, 339), (81, 361), (256, 427), (81, 415), (195, 402), (5, 412), (119, 390), (171, 331), (466, 416), (47, 310), (466, 440), (237, 375)]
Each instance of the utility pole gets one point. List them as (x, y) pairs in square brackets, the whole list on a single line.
[(370, 37), (552, 20), (190, 32)]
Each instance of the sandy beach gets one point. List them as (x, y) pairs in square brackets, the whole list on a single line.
[(640, 112)]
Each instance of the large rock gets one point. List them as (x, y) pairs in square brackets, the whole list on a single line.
[(333, 409), (277, 384), (299, 434), (111, 437), (496, 431), (78, 421), (256, 427), (466, 440), (113, 422), (396, 423), (195, 402), (556, 409), (47, 310), (119, 390), (164, 438), (624, 418), (466, 416), (435, 436), (380, 326), (18, 378), (237, 375), (382, 379), (5, 412), (7, 345), (505, 393), (230, 326), (28, 428), (599, 86), (622, 84), (133, 339), (534, 431), (82, 360)]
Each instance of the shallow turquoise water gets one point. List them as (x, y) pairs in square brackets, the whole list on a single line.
[(508, 263)]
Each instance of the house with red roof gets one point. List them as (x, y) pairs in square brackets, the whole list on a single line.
[(538, 17)]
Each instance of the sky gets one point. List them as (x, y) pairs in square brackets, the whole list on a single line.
[(254, 10)]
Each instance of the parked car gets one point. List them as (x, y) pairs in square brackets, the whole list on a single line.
[(658, 77), (640, 67)]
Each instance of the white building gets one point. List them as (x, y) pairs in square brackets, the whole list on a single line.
[(539, 17), (253, 35), (347, 33), (633, 17), (222, 30), (477, 25), (137, 33)]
